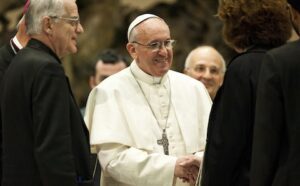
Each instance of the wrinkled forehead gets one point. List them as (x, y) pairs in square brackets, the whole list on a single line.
[(153, 28), (153, 23), (206, 57)]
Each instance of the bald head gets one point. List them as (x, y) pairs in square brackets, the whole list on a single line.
[(207, 65)]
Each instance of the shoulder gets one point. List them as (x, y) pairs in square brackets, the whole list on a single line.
[(34, 56), (181, 77), (247, 57), (284, 58), (31, 61), (288, 49), (246, 63), (6, 54), (119, 80)]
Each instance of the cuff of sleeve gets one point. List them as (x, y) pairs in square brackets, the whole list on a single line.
[(199, 154)]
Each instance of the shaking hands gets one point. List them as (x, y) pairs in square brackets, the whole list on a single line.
[(187, 168)]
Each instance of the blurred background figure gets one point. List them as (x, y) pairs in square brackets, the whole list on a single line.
[(108, 63), (207, 65), (7, 52), (250, 27)]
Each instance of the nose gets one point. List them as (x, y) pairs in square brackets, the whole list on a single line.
[(163, 50), (207, 74), (79, 28)]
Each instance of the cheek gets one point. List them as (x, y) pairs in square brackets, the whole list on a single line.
[(198, 74), (194, 75), (69, 37), (218, 80)]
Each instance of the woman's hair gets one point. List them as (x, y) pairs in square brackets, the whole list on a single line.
[(254, 22), (38, 9)]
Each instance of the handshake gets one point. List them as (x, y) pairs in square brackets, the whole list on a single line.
[(187, 168)]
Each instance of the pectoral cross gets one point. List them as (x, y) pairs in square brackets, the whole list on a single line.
[(164, 142)]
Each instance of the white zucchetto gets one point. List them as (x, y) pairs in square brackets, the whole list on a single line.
[(137, 21)]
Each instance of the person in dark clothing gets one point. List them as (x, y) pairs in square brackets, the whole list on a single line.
[(276, 141), (251, 28), (45, 140), (7, 52)]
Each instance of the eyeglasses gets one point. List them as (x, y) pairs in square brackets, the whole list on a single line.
[(74, 21), (155, 46)]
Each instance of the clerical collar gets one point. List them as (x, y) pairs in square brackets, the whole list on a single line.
[(142, 76), (15, 45), (16, 41)]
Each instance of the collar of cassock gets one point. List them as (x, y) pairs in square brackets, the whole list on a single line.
[(142, 76), (15, 45)]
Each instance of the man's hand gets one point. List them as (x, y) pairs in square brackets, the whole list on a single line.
[(187, 168)]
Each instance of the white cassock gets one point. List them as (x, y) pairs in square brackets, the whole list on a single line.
[(124, 128)]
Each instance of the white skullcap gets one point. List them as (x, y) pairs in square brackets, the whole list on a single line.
[(137, 21)]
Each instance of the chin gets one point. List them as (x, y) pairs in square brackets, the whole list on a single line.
[(161, 73), (74, 50)]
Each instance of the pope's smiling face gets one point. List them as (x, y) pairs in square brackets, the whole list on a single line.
[(151, 48)]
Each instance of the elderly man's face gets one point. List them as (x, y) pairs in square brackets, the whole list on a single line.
[(153, 47), (66, 30), (206, 66)]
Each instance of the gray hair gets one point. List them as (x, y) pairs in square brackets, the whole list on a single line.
[(133, 35), (188, 60), (38, 9)]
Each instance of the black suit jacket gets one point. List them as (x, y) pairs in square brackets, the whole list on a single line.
[(45, 141), (229, 136), (276, 144), (6, 55)]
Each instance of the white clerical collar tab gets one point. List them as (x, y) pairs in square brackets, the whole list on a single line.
[(139, 20), (17, 43)]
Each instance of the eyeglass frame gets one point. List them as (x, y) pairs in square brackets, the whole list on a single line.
[(157, 45), (73, 21)]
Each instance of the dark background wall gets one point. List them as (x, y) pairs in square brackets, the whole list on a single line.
[(192, 23)]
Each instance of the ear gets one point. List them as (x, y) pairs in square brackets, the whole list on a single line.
[(131, 50), (47, 25)]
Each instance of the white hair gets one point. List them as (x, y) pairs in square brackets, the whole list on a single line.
[(188, 60), (38, 9)]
